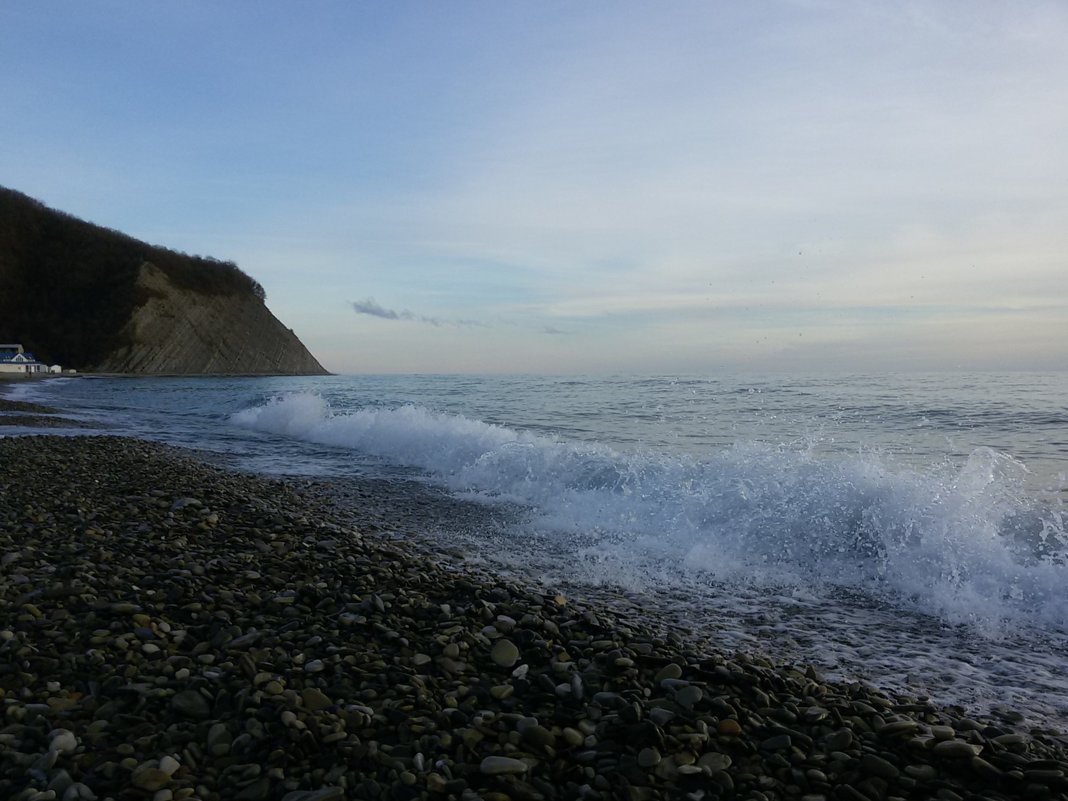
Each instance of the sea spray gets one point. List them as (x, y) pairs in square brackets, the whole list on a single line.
[(961, 541)]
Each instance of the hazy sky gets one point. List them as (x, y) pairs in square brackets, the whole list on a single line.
[(578, 186)]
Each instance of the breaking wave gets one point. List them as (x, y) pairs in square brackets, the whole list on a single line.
[(962, 541)]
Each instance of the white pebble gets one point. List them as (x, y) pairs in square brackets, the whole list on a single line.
[(63, 741)]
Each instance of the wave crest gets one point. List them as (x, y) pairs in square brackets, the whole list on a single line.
[(958, 541)]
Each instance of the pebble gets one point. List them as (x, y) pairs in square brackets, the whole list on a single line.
[(688, 697), (955, 749), (315, 699), (149, 777), (877, 766), (729, 728), (504, 653), (192, 704), (714, 761), (668, 671), (63, 741), (649, 757), (501, 765)]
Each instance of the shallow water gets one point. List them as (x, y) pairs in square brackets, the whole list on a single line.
[(906, 530)]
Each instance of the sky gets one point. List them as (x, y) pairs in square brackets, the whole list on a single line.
[(562, 187)]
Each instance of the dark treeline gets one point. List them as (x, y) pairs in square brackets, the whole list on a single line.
[(67, 287)]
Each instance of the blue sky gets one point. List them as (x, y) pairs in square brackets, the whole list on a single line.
[(578, 187)]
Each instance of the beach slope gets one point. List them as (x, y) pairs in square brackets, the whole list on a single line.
[(172, 630)]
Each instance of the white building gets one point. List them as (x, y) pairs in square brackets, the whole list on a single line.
[(14, 359)]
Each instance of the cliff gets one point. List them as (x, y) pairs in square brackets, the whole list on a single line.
[(98, 300), (179, 331)]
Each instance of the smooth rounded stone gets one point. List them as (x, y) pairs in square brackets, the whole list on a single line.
[(956, 749), (922, 772), (421, 659), (667, 770), (502, 766), (608, 700), (169, 765), (538, 735), (814, 714), (191, 704), (149, 777), (166, 794), (1009, 740), (59, 782), (943, 732), (504, 624), (79, 792), (219, 739), (689, 696), (714, 762), (315, 699), (45, 761), (578, 690), (501, 691), (839, 740), (668, 671), (777, 742), (985, 769), (661, 716), (436, 783), (572, 737), (875, 765), (673, 684), (63, 741), (649, 757), (504, 653), (729, 728), (898, 727), (314, 666)]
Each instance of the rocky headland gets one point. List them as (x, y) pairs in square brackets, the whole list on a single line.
[(171, 630), (97, 300)]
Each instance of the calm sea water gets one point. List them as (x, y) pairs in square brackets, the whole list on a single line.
[(904, 530)]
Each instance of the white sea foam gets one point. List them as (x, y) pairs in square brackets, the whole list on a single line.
[(960, 541)]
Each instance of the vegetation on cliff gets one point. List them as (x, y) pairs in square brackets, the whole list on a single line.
[(68, 287)]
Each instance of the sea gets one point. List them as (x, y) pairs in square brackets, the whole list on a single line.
[(904, 531)]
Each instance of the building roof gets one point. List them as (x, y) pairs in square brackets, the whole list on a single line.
[(17, 356)]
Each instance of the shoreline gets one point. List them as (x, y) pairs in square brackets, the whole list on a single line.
[(169, 625)]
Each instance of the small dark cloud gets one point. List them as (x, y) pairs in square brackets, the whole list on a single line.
[(372, 308)]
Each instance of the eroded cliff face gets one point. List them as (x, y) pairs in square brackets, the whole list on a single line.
[(180, 332)]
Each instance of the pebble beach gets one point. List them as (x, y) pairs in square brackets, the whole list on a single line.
[(170, 629)]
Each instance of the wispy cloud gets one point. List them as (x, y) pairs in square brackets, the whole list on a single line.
[(373, 308), (550, 329)]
